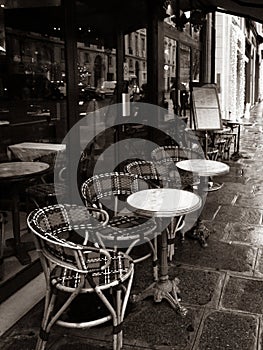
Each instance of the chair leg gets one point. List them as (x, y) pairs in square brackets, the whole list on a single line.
[(48, 321), (49, 306), (155, 260), (118, 311), (119, 318), (121, 308)]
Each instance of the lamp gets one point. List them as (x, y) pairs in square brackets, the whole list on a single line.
[(196, 18)]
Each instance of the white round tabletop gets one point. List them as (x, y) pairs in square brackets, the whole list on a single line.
[(20, 170), (203, 167), (165, 202)]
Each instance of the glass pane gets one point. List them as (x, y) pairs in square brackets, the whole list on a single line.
[(32, 91), (196, 65), (185, 61), (135, 72), (170, 47)]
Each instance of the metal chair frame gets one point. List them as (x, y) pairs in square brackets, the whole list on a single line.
[(75, 268)]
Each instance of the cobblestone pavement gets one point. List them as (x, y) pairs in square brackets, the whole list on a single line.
[(221, 285)]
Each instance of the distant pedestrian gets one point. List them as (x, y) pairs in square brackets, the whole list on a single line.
[(173, 93), (184, 96)]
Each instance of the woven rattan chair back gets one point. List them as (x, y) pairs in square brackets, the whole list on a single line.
[(212, 154), (114, 187), (170, 155), (156, 174), (109, 191), (174, 153), (73, 265)]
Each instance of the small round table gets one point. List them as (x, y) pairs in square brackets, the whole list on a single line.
[(13, 178), (164, 203), (204, 168)]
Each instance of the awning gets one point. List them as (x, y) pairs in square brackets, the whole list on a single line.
[(106, 18), (244, 8)]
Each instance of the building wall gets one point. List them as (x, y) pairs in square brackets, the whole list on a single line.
[(230, 65), (135, 55)]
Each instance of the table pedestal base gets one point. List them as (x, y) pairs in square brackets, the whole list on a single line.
[(211, 186), (214, 186), (237, 155), (166, 289), (200, 233)]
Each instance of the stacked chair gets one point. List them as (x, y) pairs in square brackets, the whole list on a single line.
[(43, 193), (74, 266)]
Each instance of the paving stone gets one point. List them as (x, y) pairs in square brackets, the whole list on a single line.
[(250, 234), (251, 200), (158, 326), (198, 287), (242, 179), (239, 214), (259, 264), (80, 343), (231, 331), (209, 211), (216, 229), (258, 188), (218, 255), (22, 343), (243, 294), (221, 197), (143, 276), (237, 187)]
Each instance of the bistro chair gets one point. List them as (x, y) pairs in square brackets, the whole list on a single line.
[(170, 155), (43, 193), (212, 153), (156, 176), (154, 173), (74, 266), (125, 229)]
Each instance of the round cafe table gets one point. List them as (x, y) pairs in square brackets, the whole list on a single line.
[(14, 176), (165, 204), (204, 168)]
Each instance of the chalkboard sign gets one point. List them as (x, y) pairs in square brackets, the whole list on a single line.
[(206, 109)]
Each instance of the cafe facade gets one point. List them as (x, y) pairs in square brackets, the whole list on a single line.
[(35, 64), (51, 70)]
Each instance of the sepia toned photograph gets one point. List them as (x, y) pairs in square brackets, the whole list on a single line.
[(131, 186)]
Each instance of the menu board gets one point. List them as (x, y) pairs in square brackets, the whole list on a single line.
[(207, 114)]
